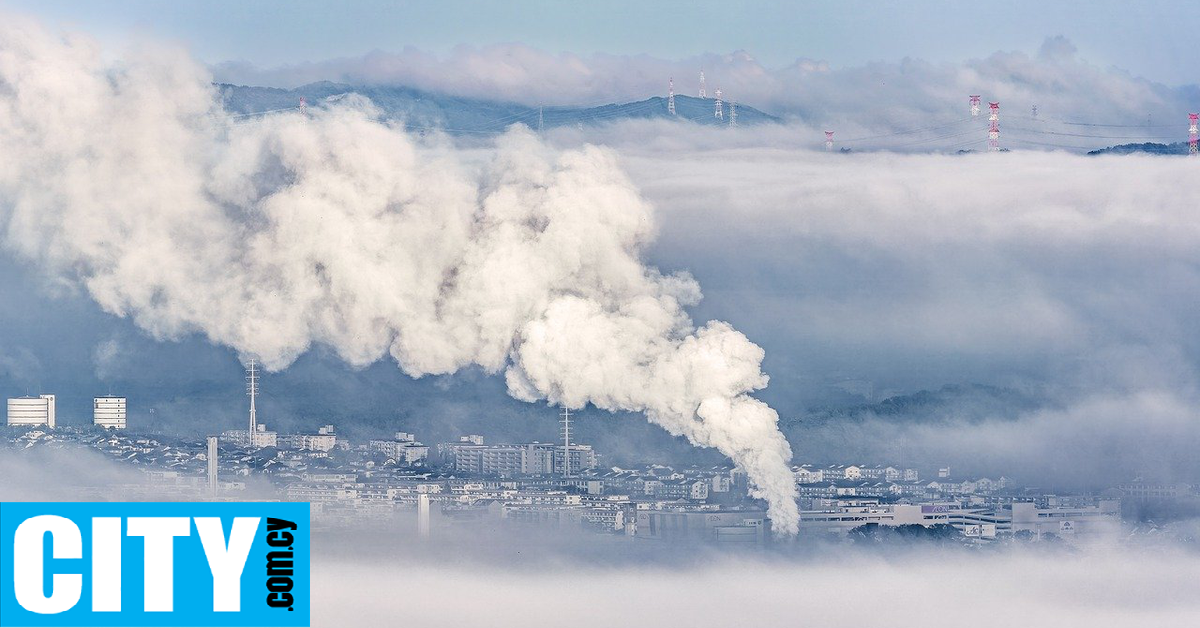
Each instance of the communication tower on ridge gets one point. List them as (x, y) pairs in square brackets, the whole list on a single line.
[(252, 390), (1034, 112), (1193, 132), (703, 94), (829, 140), (974, 106), (303, 106), (671, 96), (732, 113), (994, 127), (720, 115)]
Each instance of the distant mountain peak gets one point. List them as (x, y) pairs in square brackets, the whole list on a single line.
[(458, 115)]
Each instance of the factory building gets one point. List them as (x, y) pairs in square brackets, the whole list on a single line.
[(723, 526), (109, 412), (31, 411), (403, 448), (259, 438), (841, 516), (521, 459), (324, 440)]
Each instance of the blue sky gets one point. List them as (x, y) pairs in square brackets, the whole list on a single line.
[(1152, 39)]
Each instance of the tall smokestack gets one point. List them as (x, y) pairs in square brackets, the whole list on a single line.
[(423, 515), (212, 465)]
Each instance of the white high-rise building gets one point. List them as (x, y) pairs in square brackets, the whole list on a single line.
[(31, 411), (109, 412)]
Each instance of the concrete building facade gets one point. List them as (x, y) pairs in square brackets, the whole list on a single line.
[(31, 411), (109, 412)]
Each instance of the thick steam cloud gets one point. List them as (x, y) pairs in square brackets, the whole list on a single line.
[(333, 228)]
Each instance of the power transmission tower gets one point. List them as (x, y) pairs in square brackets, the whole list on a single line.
[(1193, 132), (994, 127)]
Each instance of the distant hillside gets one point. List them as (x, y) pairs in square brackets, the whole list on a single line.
[(972, 402), (890, 431), (469, 115), (1151, 148)]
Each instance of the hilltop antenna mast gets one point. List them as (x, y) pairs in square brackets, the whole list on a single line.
[(829, 140), (566, 430), (303, 106), (541, 121), (252, 390), (717, 113), (703, 93), (994, 127), (1193, 132), (671, 96), (974, 106), (1034, 112), (732, 113)]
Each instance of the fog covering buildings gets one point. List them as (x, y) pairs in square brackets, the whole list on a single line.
[(470, 485)]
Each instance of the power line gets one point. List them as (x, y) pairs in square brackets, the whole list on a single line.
[(1100, 124), (906, 132), (1093, 136)]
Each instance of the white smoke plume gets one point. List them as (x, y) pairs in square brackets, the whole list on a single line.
[(332, 228)]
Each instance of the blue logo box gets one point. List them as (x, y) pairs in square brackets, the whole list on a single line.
[(154, 564)]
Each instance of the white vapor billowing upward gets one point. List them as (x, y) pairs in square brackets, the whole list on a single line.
[(337, 229)]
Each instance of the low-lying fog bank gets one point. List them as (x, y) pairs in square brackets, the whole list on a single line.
[(938, 588)]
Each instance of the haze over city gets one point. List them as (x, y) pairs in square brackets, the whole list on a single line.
[(794, 267)]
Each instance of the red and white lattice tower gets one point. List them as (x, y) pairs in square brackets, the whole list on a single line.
[(1193, 132), (974, 106), (671, 96), (703, 93), (994, 127), (303, 106), (718, 113), (829, 140)]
